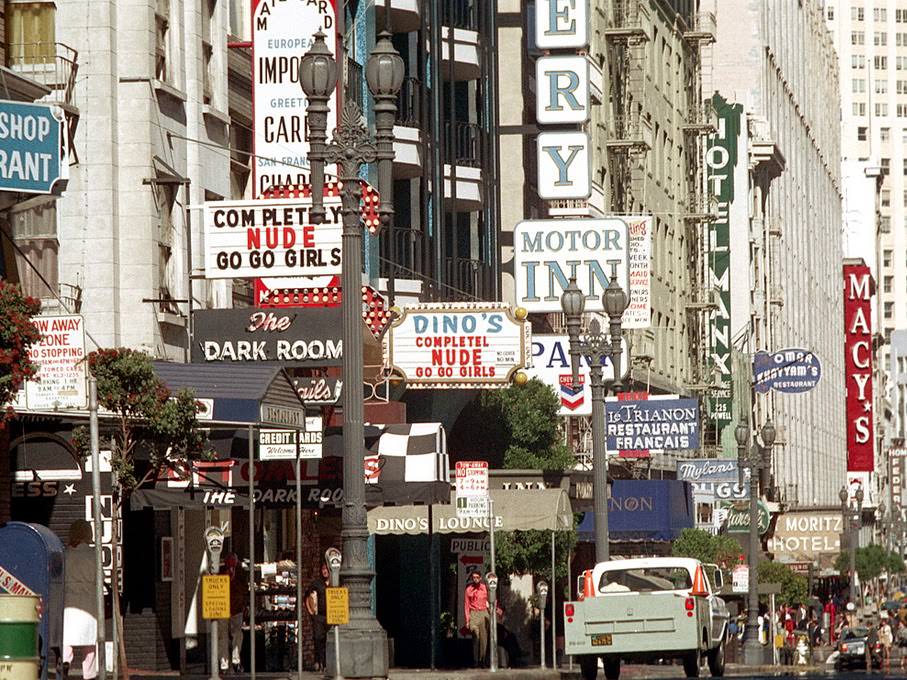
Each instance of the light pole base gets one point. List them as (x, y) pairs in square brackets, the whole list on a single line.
[(363, 653), (753, 652)]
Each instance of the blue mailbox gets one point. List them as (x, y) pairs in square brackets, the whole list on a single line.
[(31, 562)]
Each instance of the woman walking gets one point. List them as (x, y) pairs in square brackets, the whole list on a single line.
[(80, 629)]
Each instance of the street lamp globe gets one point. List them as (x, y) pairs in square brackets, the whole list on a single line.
[(859, 495), (614, 299), (573, 302), (318, 69), (742, 433), (768, 433), (384, 69), (842, 494)]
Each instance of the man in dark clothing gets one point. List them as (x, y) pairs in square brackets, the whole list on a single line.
[(316, 606)]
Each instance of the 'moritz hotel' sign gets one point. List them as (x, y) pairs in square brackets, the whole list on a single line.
[(858, 291)]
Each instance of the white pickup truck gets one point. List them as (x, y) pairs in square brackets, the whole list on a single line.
[(643, 610)]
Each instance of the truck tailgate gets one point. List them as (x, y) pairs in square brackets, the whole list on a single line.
[(632, 622)]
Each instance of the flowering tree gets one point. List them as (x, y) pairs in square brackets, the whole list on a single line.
[(17, 335), (147, 418)]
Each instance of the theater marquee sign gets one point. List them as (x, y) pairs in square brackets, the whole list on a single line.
[(300, 337)]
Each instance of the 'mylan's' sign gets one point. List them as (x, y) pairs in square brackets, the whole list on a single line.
[(303, 337)]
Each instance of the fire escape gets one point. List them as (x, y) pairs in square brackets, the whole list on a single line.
[(700, 210), (629, 128)]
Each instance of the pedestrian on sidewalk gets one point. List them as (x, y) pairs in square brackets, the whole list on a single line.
[(316, 606), (886, 639), (477, 618), (80, 625), (230, 638)]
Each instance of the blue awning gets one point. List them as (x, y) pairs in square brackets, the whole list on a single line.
[(644, 510)]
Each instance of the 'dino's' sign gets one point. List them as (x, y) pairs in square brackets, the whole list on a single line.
[(309, 337)]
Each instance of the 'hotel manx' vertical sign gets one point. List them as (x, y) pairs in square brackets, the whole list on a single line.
[(562, 98)]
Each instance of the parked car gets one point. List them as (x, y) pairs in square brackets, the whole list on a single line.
[(852, 649)]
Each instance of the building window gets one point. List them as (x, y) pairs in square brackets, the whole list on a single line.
[(887, 283), (881, 86), (889, 310), (31, 33), (858, 85), (884, 134), (900, 63), (162, 40), (857, 61), (208, 9), (881, 108), (886, 257), (861, 133), (902, 110), (885, 198), (240, 14), (879, 14), (901, 86), (859, 108), (900, 16), (900, 39), (881, 63), (856, 14), (857, 38), (880, 39), (885, 224), (831, 12)]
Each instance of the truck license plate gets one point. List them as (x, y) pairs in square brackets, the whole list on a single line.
[(602, 640)]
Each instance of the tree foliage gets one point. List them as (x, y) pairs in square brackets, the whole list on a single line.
[(17, 335), (527, 414), (147, 418), (718, 549), (870, 562), (794, 587)]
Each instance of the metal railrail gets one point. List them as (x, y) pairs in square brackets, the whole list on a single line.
[(54, 65)]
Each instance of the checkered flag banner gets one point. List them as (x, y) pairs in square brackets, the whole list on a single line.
[(408, 463)]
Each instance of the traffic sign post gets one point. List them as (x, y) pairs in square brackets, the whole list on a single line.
[(215, 596)]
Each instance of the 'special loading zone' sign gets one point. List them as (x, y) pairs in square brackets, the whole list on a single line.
[(271, 237), (448, 345), (302, 337)]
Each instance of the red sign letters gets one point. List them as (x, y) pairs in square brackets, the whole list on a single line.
[(858, 291)]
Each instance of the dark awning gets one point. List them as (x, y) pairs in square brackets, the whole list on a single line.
[(644, 510), (235, 394), (404, 464), (539, 509)]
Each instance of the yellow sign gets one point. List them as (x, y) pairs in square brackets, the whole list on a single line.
[(216, 597), (338, 602)]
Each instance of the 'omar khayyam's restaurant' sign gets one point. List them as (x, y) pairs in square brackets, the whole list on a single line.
[(449, 345), (253, 335)]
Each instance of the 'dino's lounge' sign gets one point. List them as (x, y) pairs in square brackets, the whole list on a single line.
[(309, 337)]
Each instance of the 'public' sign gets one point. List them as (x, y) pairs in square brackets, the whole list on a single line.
[(32, 148)]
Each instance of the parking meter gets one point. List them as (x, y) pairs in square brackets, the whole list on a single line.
[(214, 543), (491, 579), (542, 589), (333, 558)]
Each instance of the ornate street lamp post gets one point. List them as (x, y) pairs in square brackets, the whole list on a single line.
[(596, 346), (754, 457), (852, 529), (363, 642)]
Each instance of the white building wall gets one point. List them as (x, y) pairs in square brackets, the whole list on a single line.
[(133, 127), (767, 57)]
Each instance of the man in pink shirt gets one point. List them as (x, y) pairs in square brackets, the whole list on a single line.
[(477, 620)]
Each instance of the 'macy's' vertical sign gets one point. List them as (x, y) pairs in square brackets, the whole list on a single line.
[(562, 98), (858, 291)]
